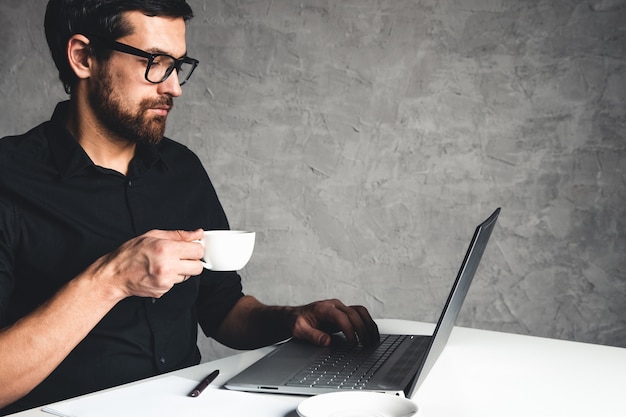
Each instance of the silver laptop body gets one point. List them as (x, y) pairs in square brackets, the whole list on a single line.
[(297, 367)]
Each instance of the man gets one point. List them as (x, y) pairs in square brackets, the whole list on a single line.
[(100, 278)]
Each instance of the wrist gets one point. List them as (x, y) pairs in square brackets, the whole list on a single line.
[(100, 277)]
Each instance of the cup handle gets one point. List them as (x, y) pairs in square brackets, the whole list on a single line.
[(204, 263)]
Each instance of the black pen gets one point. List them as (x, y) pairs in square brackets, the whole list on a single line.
[(204, 383)]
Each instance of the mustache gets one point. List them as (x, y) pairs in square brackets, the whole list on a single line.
[(166, 101)]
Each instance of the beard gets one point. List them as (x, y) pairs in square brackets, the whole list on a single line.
[(136, 127)]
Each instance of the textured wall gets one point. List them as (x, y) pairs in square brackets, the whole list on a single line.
[(364, 140)]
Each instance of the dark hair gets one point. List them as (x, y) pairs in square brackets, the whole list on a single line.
[(97, 19)]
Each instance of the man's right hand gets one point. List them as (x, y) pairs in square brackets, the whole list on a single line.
[(151, 264)]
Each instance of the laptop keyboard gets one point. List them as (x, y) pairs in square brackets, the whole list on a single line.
[(342, 371)]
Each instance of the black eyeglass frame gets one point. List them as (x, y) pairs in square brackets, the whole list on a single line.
[(131, 50)]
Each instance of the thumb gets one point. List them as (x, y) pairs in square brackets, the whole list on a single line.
[(180, 235), (190, 235), (313, 335)]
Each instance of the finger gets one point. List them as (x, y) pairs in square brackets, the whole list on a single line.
[(190, 268), (345, 319), (186, 251), (178, 259), (368, 330), (358, 325)]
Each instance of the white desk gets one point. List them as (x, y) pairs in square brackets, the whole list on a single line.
[(484, 373)]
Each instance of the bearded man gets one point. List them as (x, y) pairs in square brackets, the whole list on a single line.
[(101, 280)]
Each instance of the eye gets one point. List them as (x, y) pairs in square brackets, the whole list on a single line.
[(160, 60)]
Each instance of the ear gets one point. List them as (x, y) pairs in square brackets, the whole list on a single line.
[(78, 56)]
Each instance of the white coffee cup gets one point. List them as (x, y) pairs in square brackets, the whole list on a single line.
[(227, 250)]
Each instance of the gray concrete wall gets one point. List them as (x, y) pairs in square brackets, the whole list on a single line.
[(364, 139)]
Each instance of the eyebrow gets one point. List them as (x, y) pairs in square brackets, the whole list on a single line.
[(162, 52)]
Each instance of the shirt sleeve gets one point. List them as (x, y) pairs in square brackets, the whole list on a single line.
[(7, 237), (219, 291)]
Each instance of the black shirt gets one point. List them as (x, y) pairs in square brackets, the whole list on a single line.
[(59, 212)]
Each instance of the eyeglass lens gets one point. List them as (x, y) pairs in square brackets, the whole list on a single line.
[(162, 66)]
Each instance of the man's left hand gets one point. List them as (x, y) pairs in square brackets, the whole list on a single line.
[(314, 322)]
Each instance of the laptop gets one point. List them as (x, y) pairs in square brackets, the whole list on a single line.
[(397, 365)]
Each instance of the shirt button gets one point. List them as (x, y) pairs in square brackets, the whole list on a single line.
[(162, 359)]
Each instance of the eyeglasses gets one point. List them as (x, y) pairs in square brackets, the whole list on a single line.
[(160, 66)]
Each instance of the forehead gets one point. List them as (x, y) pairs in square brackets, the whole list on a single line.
[(156, 33)]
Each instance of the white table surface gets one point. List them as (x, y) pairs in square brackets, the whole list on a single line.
[(485, 373)]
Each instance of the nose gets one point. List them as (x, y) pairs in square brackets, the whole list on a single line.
[(171, 85)]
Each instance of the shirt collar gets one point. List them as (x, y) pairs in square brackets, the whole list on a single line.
[(71, 158)]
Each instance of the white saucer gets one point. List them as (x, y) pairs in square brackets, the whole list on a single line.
[(356, 404)]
